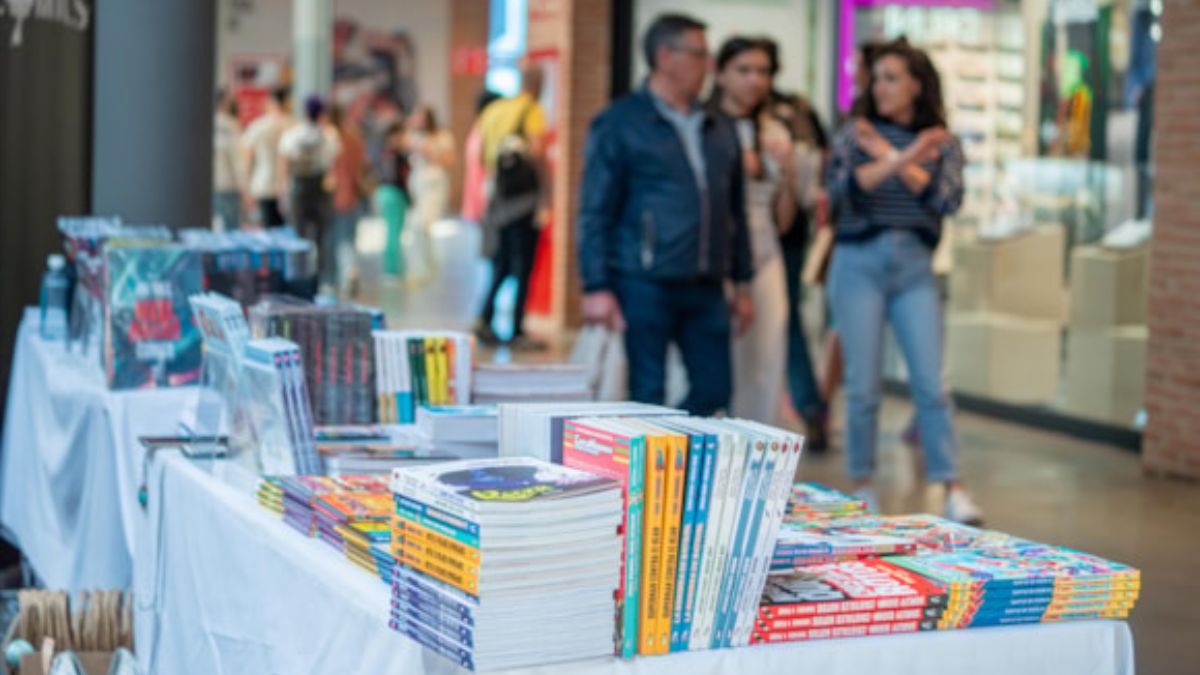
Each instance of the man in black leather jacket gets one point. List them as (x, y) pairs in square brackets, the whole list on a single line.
[(662, 224)]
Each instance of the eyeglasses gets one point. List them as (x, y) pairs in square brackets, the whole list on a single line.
[(698, 52)]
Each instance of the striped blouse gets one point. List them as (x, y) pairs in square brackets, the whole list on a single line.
[(861, 215)]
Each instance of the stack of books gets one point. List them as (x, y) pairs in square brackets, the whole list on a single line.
[(275, 404), (417, 368), (801, 544), (704, 500), (928, 534), (1027, 584), (847, 599), (810, 501), (250, 265), (338, 351), (506, 562), (291, 497), (466, 431), (531, 383), (375, 448), (536, 429), (358, 524)]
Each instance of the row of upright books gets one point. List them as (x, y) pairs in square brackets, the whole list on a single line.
[(703, 503), (421, 368)]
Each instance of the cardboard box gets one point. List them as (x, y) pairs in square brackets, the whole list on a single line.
[(1108, 286), (1021, 276), (1106, 373), (1004, 357)]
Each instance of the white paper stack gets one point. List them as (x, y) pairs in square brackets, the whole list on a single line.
[(531, 383), (536, 429), (507, 562)]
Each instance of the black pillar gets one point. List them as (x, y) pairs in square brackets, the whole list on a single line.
[(153, 111)]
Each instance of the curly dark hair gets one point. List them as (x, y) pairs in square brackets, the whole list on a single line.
[(928, 109)]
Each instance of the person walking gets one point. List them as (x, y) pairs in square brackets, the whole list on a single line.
[(662, 224), (894, 174), (513, 134), (307, 152), (431, 149), (261, 143), (392, 199), (743, 84), (228, 176), (350, 175)]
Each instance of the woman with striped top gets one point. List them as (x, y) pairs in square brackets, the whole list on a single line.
[(894, 174)]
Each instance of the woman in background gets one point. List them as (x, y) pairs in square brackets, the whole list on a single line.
[(894, 174), (743, 83), (349, 173), (391, 197), (431, 156)]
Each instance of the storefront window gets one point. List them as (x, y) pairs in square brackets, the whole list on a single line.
[(1046, 264)]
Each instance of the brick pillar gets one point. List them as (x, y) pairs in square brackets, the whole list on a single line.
[(587, 62), (1171, 444), (468, 30)]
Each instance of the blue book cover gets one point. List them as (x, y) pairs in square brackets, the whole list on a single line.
[(703, 502), (432, 513), (754, 464), (757, 496), (686, 533)]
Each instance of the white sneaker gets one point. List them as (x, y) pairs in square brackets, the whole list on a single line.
[(867, 494), (961, 509)]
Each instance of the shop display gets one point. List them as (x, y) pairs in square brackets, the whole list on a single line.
[(536, 429), (338, 354), (248, 266), (1108, 287), (505, 562), (1004, 357), (1106, 373), (417, 368), (1020, 275), (704, 500), (149, 337)]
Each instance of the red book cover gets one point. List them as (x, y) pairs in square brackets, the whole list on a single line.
[(851, 586)]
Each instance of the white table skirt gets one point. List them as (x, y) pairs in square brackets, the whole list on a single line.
[(224, 587), (70, 464)]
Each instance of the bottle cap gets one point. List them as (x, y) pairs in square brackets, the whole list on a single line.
[(56, 261)]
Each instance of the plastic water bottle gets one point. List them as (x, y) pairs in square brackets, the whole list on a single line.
[(55, 287)]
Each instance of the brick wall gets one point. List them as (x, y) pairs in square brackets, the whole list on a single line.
[(468, 29), (1171, 443)]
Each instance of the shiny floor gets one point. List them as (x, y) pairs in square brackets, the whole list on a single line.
[(1034, 484)]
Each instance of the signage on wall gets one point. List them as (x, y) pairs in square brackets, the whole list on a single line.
[(73, 14)]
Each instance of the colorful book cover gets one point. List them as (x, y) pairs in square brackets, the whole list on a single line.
[(1022, 566), (928, 533), (728, 480), (589, 446), (837, 632), (652, 544), (748, 496), (150, 339), (676, 446), (432, 394), (700, 536), (854, 586)]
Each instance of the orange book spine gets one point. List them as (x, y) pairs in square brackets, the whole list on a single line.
[(676, 476), (651, 586), (420, 534)]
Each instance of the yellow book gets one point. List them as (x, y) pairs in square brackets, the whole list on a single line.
[(651, 582), (444, 370), (676, 479), (463, 582), (431, 395), (435, 540)]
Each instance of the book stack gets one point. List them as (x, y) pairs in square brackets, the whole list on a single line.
[(250, 265), (801, 544), (852, 598), (929, 534), (338, 352), (291, 497), (505, 562), (531, 383), (810, 501), (418, 368), (536, 429), (467, 431), (703, 500), (1027, 584), (375, 449), (275, 403), (358, 524)]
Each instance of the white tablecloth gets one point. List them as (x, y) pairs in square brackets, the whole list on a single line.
[(224, 587), (70, 464)]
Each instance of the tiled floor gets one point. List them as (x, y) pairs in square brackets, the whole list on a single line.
[(1034, 484)]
